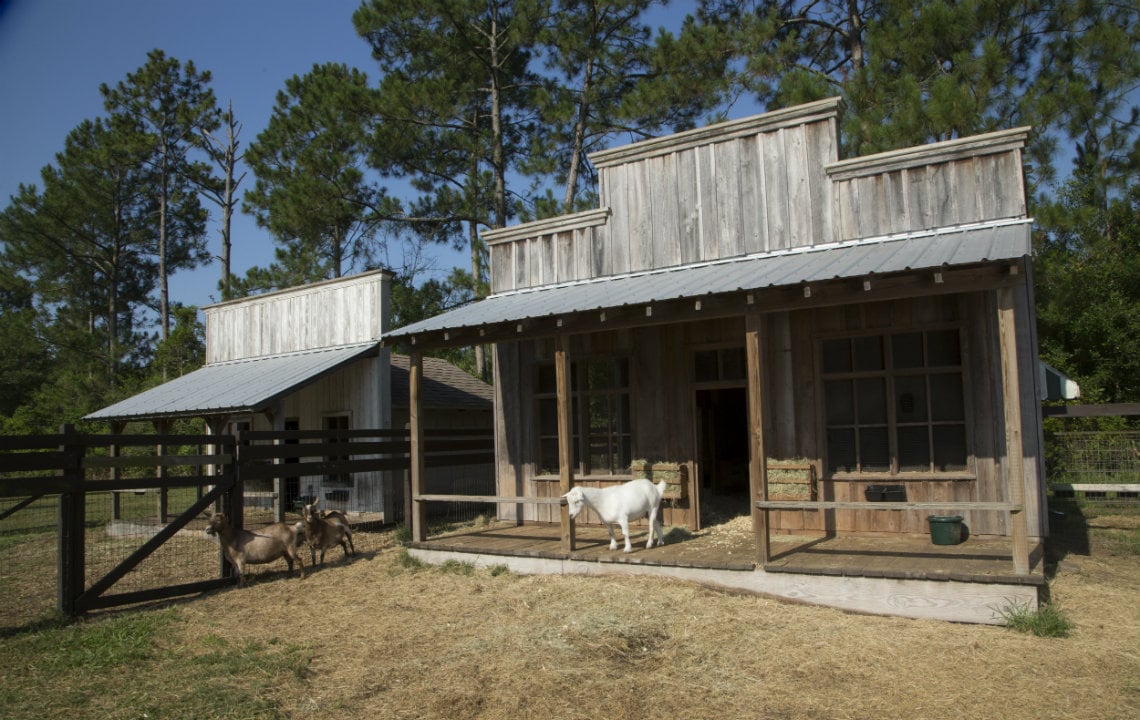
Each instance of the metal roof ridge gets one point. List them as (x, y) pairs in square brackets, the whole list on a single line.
[(296, 353), (803, 250)]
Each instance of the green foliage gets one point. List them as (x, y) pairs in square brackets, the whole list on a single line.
[(1046, 621), (311, 191)]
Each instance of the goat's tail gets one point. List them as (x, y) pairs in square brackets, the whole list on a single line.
[(660, 489)]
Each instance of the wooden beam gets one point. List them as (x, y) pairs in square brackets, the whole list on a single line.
[(757, 465), (565, 438), (418, 520), (1014, 469)]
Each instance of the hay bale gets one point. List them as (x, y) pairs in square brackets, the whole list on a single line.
[(791, 480)]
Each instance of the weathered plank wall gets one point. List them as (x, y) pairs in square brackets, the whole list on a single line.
[(940, 185), (664, 412), (328, 314), (736, 188)]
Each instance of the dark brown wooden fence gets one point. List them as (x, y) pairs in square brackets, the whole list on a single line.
[(113, 512)]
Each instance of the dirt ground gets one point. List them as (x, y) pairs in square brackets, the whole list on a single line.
[(386, 639)]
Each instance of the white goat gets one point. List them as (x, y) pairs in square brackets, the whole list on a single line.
[(620, 504), (246, 547), (324, 530)]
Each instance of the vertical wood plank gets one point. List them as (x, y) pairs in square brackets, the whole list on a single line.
[(1014, 469), (727, 176), (776, 190), (799, 165), (707, 202), (757, 465), (565, 438), (687, 203)]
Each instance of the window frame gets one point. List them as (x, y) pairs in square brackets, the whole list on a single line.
[(891, 375), (580, 397)]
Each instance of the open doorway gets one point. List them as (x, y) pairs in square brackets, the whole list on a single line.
[(722, 432)]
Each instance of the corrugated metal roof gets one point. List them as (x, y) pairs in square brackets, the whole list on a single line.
[(941, 248), (233, 387)]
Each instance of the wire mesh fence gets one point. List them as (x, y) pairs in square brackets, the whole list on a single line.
[(28, 539), (1093, 458)]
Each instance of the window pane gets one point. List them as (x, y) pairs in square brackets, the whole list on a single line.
[(872, 400), (949, 448), (548, 417), (733, 364), (600, 454), (841, 450), (942, 348), (946, 399), (868, 353), (621, 373), (840, 406), (906, 350), (548, 457), (625, 455), (914, 449), (599, 413), (836, 356), (874, 450), (910, 398), (600, 374), (622, 422), (547, 382), (704, 366)]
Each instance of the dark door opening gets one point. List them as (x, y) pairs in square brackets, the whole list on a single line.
[(722, 431)]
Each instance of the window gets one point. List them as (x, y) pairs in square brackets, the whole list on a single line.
[(728, 364), (895, 403), (337, 422), (599, 397)]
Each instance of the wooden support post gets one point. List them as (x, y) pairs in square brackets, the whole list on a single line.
[(113, 451), (162, 428), (757, 466), (1014, 471), (72, 538), (565, 438), (418, 520)]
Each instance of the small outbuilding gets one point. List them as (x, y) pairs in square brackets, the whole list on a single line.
[(310, 358)]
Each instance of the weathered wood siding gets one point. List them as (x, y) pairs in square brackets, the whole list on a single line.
[(940, 185), (663, 392), (748, 186), (328, 314)]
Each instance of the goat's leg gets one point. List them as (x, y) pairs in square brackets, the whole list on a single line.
[(350, 544), (654, 527), (625, 532), (610, 530)]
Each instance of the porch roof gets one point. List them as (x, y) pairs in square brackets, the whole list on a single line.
[(934, 249), (234, 387)]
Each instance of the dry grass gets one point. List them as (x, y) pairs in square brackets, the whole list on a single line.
[(388, 641), (384, 638)]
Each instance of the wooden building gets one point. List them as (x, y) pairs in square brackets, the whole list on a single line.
[(309, 358), (743, 292)]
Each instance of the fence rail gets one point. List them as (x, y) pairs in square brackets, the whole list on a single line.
[(101, 520)]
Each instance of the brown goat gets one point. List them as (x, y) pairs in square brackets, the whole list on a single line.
[(324, 530), (245, 547)]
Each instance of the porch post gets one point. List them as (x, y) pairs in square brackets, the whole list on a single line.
[(1011, 400), (162, 428), (757, 467), (418, 520), (565, 439)]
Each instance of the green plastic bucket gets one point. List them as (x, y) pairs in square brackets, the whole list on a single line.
[(945, 529)]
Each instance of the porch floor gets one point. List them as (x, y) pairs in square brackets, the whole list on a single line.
[(732, 547)]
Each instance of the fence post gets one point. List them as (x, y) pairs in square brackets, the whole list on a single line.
[(72, 515), (233, 499)]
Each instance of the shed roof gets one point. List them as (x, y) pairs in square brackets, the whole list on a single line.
[(928, 250), (234, 387), (445, 386)]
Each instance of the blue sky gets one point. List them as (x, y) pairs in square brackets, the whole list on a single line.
[(54, 54)]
